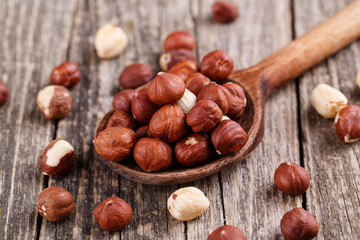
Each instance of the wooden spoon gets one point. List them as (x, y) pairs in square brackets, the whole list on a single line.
[(259, 82)]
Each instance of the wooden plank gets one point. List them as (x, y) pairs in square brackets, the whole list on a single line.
[(333, 196)]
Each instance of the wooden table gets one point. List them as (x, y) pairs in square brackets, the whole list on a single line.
[(36, 35)]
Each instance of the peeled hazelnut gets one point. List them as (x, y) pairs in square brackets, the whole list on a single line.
[(166, 88), (170, 58), (142, 108), (291, 178), (110, 41), (217, 65), (67, 74), (204, 116), (184, 69), (239, 100), (55, 204), (153, 154), (196, 82), (298, 224), (168, 123), (115, 143), (347, 124), (57, 158), (187, 102), (143, 132), (228, 137), (219, 94), (121, 119), (122, 100), (135, 75), (113, 214), (227, 232), (194, 149), (327, 100), (179, 39), (4, 93), (187, 203), (224, 12), (55, 102)]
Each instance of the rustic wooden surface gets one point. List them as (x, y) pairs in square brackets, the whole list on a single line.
[(36, 35)]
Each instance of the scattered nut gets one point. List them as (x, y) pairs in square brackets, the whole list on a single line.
[(67, 74), (110, 41), (143, 132), (187, 203), (184, 69), (55, 204), (298, 224), (170, 58), (122, 100), (179, 39), (196, 82), (4, 93), (187, 102), (327, 100), (347, 124), (224, 12), (239, 100), (113, 214), (217, 65), (55, 102), (219, 94), (204, 116), (135, 75), (121, 119), (291, 178), (142, 108), (115, 143), (152, 154), (227, 232)]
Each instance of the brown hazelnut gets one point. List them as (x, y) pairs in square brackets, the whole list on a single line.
[(196, 82), (135, 75), (239, 100), (347, 124), (291, 178), (115, 143), (194, 149), (170, 58), (184, 69), (219, 94), (153, 154), (298, 224), (55, 102), (224, 12), (228, 137), (227, 232), (57, 158), (122, 100), (168, 123), (55, 204), (67, 74), (179, 39), (217, 65), (142, 108), (166, 88), (204, 116), (4, 93), (113, 214), (121, 119), (143, 132)]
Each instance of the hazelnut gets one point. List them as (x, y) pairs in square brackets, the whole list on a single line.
[(122, 100), (227, 232), (153, 154), (142, 108), (184, 69), (121, 119), (238, 98), (113, 214), (217, 65), (187, 102), (135, 75), (347, 124), (166, 88), (291, 178), (298, 224), (179, 39), (115, 143), (55, 204), (224, 12), (194, 149), (143, 132), (55, 102), (228, 137), (219, 94), (187, 203), (110, 41), (204, 116), (4, 93), (57, 158), (196, 82), (67, 74), (170, 58), (327, 101), (168, 123)]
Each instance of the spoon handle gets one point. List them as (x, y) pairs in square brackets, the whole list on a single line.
[(309, 49)]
